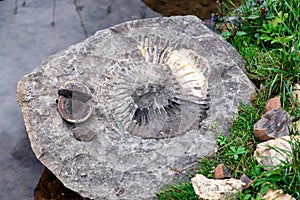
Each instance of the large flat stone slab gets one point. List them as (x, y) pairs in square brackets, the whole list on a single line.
[(159, 89)]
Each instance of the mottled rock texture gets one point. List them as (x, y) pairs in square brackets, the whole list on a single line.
[(274, 124), (275, 151), (277, 195), (160, 90), (273, 103), (214, 189)]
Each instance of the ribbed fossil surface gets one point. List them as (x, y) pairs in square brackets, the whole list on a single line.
[(110, 116), (161, 93)]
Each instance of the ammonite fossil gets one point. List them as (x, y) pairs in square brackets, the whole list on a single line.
[(163, 94), (136, 99)]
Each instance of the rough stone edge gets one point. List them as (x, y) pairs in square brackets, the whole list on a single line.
[(23, 79)]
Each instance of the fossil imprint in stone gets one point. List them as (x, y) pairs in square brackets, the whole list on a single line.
[(135, 100), (162, 95), (155, 87)]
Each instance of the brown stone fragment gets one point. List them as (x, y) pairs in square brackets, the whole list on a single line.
[(274, 124), (222, 172), (273, 103), (245, 179)]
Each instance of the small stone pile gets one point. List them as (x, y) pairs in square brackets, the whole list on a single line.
[(222, 186), (273, 131)]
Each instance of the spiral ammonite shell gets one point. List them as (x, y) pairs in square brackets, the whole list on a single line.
[(163, 94)]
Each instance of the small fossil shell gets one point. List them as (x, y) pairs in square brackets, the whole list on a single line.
[(162, 94), (83, 134), (73, 105)]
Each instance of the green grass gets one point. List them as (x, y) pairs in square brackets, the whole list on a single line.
[(287, 175), (236, 152), (269, 42), (178, 192), (267, 36)]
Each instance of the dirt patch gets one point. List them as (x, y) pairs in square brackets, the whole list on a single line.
[(201, 8)]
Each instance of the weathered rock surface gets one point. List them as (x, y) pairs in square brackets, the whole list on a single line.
[(216, 189), (273, 103), (274, 124), (277, 195), (296, 93), (273, 152), (157, 86), (221, 172), (245, 179)]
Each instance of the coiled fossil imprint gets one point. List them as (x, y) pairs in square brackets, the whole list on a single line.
[(163, 94)]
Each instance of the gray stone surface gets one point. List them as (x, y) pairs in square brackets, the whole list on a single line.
[(161, 88), (273, 124)]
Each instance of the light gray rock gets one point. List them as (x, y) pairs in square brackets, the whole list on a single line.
[(277, 195), (214, 189), (275, 152), (160, 90), (296, 92)]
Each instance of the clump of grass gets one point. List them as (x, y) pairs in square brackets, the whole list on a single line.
[(266, 33), (177, 192), (286, 176), (236, 152)]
